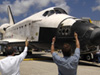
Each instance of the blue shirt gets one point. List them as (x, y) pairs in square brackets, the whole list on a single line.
[(67, 65)]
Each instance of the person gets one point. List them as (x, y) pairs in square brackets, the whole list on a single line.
[(97, 57), (98, 54), (67, 65), (11, 64)]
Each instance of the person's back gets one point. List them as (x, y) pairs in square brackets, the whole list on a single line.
[(11, 64), (67, 65)]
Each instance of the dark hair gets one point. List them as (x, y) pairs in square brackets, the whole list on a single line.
[(9, 51), (67, 50)]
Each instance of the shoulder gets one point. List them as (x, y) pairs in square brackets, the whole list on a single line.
[(77, 50), (53, 54), (8, 59)]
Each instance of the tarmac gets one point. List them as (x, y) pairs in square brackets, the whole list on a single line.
[(41, 63)]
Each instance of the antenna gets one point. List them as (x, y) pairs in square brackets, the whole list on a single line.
[(11, 19)]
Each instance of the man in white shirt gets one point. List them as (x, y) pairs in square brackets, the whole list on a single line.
[(11, 64)]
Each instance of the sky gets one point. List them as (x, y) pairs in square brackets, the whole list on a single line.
[(24, 8)]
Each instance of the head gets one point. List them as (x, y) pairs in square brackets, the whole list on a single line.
[(9, 51), (67, 50)]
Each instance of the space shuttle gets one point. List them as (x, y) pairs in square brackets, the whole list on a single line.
[(41, 27)]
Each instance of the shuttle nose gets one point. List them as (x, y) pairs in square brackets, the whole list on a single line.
[(95, 36)]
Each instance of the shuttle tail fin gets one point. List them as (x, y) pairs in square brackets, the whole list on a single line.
[(11, 19)]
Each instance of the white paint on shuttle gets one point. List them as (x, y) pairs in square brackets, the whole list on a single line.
[(30, 27)]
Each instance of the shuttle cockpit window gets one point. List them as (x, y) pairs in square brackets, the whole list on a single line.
[(51, 12), (60, 11), (56, 10), (46, 13)]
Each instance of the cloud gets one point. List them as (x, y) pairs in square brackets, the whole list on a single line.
[(61, 3), (96, 8), (3, 6), (42, 3), (98, 1), (22, 6), (3, 20), (18, 7)]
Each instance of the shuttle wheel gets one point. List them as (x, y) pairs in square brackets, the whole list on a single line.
[(88, 57)]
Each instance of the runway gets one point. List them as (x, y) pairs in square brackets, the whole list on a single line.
[(41, 63)]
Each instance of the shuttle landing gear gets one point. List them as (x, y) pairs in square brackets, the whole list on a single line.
[(87, 57), (29, 52), (22, 48)]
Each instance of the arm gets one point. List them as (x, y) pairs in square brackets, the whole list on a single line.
[(52, 44), (24, 53), (57, 59), (77, 41), (76, 55), (26, 43)]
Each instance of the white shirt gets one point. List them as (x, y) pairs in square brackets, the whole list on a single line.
[(10, 64)]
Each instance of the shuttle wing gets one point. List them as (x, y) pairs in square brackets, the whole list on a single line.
[(13, 40)]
